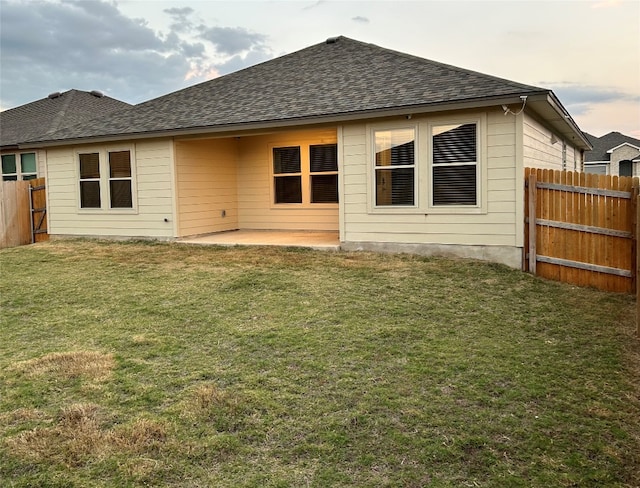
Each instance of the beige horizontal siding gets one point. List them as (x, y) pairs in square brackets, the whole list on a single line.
[(495, 226), (538, 150), (152, 192), (256, 209), (206, 180)]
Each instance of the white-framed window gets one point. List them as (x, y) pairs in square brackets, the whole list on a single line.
[(287, 174), (89, 180), (323, 171), (19, 166), (306, 175), (120, 181), (431, 165), (105, 179), (395, 167), (455, 171)]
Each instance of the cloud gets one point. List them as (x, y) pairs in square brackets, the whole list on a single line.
[(85, 45), (238, 62), (580, 99), (91, 44), (360, 19), (313, 5), (231, 40), (180, 17)]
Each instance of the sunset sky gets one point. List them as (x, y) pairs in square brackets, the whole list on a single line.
[(587, 52)]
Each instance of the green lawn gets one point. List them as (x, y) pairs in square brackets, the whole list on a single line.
[(139, 364)]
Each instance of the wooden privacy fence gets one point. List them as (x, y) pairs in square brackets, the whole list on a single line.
[(580, 228), (23, 212)]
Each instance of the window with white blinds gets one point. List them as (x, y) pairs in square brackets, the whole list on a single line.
[(454, 164), (395, 167)]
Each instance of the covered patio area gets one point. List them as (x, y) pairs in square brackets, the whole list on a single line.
[(320, 240)]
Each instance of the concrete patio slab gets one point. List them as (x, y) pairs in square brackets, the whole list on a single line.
[(328, 241)]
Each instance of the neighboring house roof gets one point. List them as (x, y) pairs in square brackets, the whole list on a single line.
[(602, 146), (38, 120), (334, 78)]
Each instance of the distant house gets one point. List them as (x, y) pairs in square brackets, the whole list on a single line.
[(613, 154), (38, 120), (388, 150)]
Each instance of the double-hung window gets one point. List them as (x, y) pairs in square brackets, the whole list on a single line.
[(21, 166), (90, 180), (287, 174), (306, 175), (323, 166), (105, 180), (395, 167), (454, 164), (120, 179)]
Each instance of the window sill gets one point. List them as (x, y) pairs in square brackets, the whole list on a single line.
[(427, 211), (109, 211), (304, 206)]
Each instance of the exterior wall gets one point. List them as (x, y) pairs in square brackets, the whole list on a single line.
[(206, 185), (598, 168), (539, 152), (152, 215), (491, 231), (620, 154), (256, 209)]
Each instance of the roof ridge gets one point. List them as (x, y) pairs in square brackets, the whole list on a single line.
[(57, 121)]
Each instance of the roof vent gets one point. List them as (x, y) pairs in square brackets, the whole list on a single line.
[(332, 40), (54, 95), (97, 94)]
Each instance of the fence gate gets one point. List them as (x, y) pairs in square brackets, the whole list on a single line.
[(581, 228), (38, 210)]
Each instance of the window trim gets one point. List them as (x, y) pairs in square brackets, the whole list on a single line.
[(424, 162), (305, 174), (481, 164), (275, 176), (372, 207), (105, 179), (335, 173), (19, 174)]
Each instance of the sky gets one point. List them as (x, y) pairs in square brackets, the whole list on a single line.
[(586, 51)]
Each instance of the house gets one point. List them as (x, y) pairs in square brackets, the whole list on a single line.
[(36, 120), (613, 154), (388, 151)]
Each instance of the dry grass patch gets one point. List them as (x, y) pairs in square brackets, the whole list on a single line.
[(79, 436), (89, 364), (74, 438)]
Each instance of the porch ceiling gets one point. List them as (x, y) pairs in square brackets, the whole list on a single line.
[(328, 241)]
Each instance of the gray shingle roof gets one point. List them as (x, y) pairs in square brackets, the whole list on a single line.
[(602, 144), (38, 120), (327, 79)]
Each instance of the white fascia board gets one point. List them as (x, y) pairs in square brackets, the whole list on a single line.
[(610, 151)]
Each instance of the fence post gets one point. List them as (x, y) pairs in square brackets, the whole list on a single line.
[(635, 238), (532, 222)]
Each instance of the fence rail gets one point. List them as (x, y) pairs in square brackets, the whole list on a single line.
[(581, 228)]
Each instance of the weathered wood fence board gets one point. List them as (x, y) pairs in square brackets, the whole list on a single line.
[(581, 228), (15, 217), (20, 225)]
